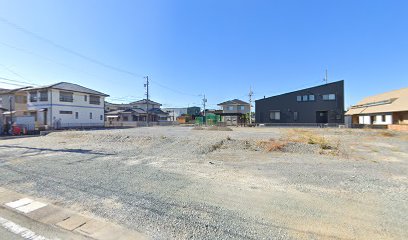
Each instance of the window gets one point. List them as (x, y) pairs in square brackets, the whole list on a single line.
[(274, 115), (311, 97), (90, 115), (94, 100), (230, 108), (66, 96), (125, 118), (43, 96), (241, 107), (299, 98), (76, 115), (295, 116), (65, 112), (101, 117), (33, 96), (304, 98), (383, 118), (329, 97), (86, 98)]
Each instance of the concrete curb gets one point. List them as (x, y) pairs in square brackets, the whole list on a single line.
[(40, 211)]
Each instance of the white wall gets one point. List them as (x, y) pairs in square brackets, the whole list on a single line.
[(84, 108), (377, 119)]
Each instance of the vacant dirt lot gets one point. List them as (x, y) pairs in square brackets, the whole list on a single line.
[(249, 183)]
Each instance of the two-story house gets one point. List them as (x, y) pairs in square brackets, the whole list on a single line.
[(13, 104), (234, 112), (65, 105)]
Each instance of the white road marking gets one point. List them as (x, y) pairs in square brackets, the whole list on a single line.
[(31, 207), (19, 230), (19, 203)]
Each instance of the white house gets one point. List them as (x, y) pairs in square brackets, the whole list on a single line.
[(65, 105)]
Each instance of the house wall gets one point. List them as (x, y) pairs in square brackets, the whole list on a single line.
[(378, 119), (174, 113), (144, 106), (400, 117), (20, 107), (235, 109), (287, 104), (54, 107)]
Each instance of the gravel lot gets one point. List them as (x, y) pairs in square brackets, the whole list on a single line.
[(249, 183)]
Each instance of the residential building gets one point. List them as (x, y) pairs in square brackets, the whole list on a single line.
[(64, 105), (134, 113), (390, 108), (124, 117), (145, 104), (13, 104), (234, 112), (321, 104), (175, 113)]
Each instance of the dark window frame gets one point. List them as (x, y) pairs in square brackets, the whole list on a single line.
[(65, 112), (33, 96), (94, 99), (66, 98), (44, 97)]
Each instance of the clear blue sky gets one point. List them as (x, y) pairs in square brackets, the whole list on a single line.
[(215, 47)]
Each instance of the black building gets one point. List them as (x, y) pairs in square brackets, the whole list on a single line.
[(320, 104)]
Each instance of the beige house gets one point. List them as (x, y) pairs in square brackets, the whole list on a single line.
[(234, 112), (390, 108)]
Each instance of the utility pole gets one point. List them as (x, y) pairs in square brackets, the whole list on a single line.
[(204, 101), (250, 104), (147, 100), (326, 79), (11, 110)]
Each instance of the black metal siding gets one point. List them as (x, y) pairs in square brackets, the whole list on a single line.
[(287, 104)]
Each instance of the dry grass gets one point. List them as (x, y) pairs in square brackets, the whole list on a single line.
[(309, 137), (387, 134), (272, 145)]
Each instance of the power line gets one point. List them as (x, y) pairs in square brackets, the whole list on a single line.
[(68, 50), (17, 81), (17, 74), (83, 56), (46, 58)]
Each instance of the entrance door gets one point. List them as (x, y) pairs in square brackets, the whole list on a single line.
[(322, 117)]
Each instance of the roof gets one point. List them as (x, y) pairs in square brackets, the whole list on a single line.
[(233, 102), (157, 111), (71, 87), (394, 101), (144, 101), (303, 90), (130, 110)]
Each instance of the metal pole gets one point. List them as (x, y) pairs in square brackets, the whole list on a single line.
[(11, 110), (250, 105), (204, 101), (147, 100)]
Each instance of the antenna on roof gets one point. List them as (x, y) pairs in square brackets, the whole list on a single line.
[(326, 79)]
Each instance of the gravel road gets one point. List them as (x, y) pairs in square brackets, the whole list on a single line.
[(179, 183)]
